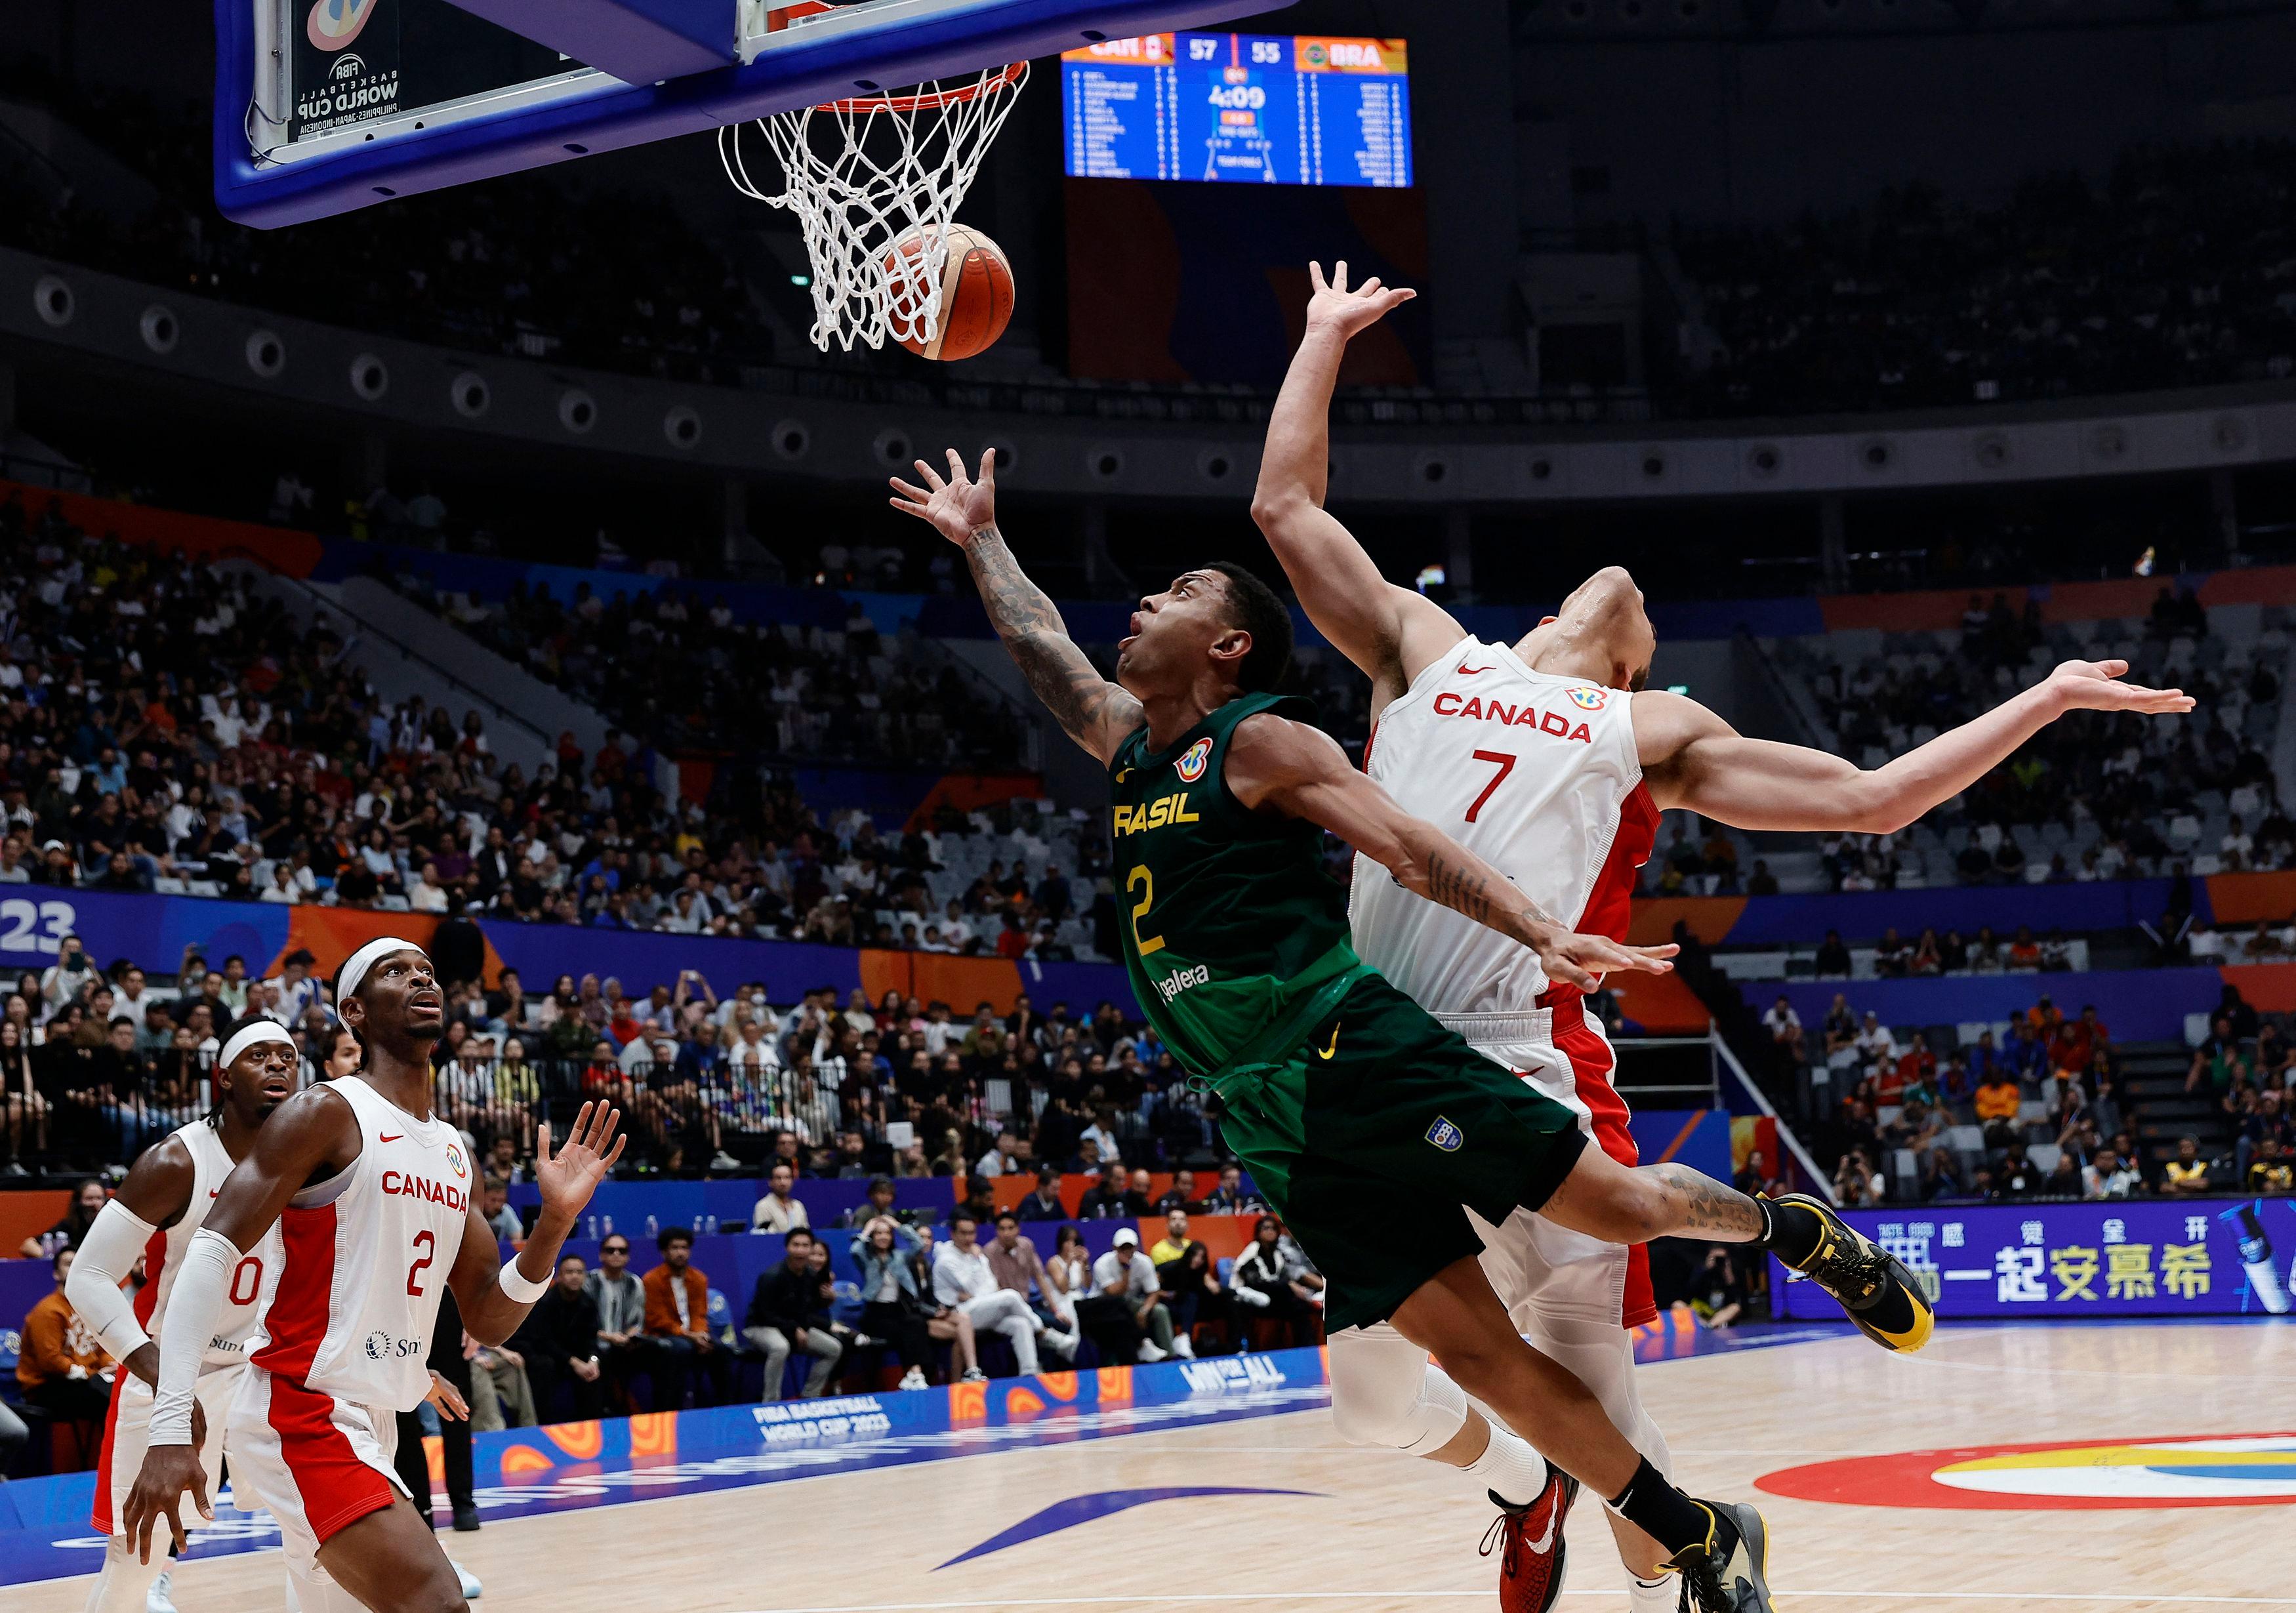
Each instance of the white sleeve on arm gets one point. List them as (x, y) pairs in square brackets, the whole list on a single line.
[(107, 1254), (195, 1306)]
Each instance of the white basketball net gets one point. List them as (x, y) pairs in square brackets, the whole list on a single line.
[(864, 175)]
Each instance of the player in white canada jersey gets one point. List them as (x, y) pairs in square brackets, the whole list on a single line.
[(1549, 759), (157, 1210), (371, 1193)]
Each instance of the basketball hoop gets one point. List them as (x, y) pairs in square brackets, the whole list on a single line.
[(868, 175)]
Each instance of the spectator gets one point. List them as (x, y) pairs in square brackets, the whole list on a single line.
[(879, 1203), (494, 1211), (777, 1211), (88, 1199), (1231, 1197), (962, 1281), (2187, 1174), (949, 1323), (891, 1302), (1833, 959), (790, 1311), (1272, 1277), (677, 1323), (2270, 1172), (1111, 1197), (2105, 1176), (505, 1397), (1044, 1203), (1875, 1045), (621, 1300), (1718, 1295), (1784, 1025), (1014, 1262), (60, 1366), (1126, 1317), (559, 1339)]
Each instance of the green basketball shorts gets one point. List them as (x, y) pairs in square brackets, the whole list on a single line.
[(1374, 1138)]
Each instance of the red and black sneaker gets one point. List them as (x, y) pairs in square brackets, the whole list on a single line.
[(1529, 1543)]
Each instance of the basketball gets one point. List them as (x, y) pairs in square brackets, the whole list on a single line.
[(976, 294)]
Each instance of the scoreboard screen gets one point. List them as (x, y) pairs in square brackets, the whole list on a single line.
[(1265, 109)]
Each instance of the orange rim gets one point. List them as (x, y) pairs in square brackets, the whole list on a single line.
[(1005, 78)]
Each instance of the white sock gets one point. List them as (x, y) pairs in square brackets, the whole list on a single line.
[(1509, 1468), (1652, 1595)]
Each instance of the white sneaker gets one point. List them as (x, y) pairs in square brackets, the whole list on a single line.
[(973, 1374), (472, 1589), (158, 1600), (913, 1379), (1149, 1352), (1184, 1348), (1061, 1344)]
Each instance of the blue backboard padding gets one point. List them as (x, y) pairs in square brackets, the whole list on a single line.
[(821, 68), (638, 41)]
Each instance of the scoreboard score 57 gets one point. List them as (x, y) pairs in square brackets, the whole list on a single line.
[(1271, 109)]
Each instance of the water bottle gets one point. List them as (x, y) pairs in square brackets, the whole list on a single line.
[(2256, 1259), (709, 1224), (590, 1229), (653, 1227), (610, 1226)]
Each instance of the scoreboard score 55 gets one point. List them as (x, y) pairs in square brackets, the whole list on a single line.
[(1269, 109)]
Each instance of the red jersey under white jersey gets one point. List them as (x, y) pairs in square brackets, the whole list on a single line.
[(350, 1309), (163, 1255)]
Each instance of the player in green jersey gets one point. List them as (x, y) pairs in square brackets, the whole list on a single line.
[(1335, 1083)]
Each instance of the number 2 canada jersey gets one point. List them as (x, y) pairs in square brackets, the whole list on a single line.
[(1229, 915), (350, 1307), (1536, 774)]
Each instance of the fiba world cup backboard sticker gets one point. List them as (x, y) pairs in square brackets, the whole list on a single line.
[(344, 61)]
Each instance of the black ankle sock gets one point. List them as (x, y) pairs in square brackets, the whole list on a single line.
[(1791, 1232), (1663, 1512)]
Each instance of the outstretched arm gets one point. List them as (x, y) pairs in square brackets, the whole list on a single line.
[(1095, 713), (1301, 772), (494, 1299), (1693, 758), (1389, 633)]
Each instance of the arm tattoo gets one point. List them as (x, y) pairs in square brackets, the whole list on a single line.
[(1706, 1206), (1464, 890), (1079, 698)]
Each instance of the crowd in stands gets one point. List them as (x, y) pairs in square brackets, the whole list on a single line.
[(681, 671), (2039, 1106), (166, 727), (2099, 798), (2159, 277)]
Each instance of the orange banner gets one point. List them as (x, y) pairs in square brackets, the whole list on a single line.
[(962, 982), (200, 537)]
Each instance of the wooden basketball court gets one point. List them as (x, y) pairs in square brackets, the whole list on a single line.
[(1372, 1532)]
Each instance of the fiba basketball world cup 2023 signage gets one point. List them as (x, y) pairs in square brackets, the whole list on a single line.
[(345, 60)]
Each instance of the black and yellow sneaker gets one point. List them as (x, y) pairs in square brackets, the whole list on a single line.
[(1883, 1297), (1724, 1573)]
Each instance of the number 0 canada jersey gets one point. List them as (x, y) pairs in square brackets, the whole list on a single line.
[(163, 1257), (1228, 917), (1536, 774), (351, 1307)]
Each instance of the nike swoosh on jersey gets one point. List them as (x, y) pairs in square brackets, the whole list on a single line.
[(389, 1136), (1467, 671), (1331, 1049)]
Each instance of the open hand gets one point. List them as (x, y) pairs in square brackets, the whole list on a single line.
[(956, 508), (568, 1177), (1582, 960), (2096, 686), (1334, 307)]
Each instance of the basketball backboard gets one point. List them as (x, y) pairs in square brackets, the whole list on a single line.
[(324, 106)]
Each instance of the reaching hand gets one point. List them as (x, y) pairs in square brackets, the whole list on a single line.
[(1334, 307), (1582, 960), (568, 1177), (2096, 686), (956, 508)]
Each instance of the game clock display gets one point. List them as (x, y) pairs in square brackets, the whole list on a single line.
[(1254, 108)]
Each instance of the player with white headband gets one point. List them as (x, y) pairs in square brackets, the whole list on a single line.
[(154, 1216), (371, 1193)]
